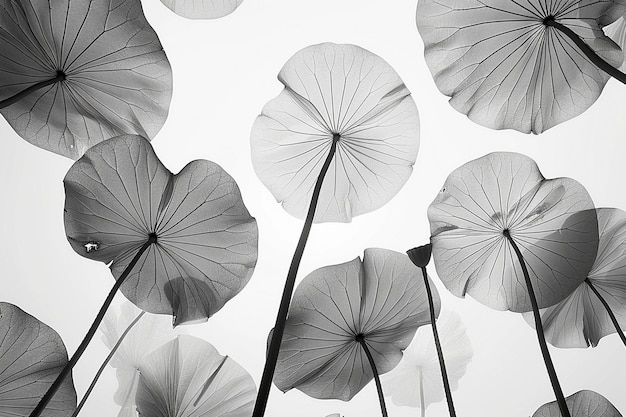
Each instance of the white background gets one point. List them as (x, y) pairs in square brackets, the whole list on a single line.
[(224, 72)]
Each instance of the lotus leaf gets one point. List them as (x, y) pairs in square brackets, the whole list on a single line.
[(582, 404), (202, 9)]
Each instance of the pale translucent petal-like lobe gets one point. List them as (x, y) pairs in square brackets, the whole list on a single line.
[(552, 222), (382, 298), (118, 79), (505, 69), (617, 32), (119, 194), (336, 90), (202, 9), (188, 378), (581, 404), (581, 320), (31, 356), (419, 370)]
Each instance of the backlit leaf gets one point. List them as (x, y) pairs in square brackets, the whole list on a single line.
[(617, 32), (582, 404), (202, 9)]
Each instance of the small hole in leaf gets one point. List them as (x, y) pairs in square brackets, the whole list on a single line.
[(92, 246)]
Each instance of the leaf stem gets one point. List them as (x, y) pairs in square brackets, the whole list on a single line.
[(422, 400), (442, 363), (558, 392), (281, 318), (589, 53), (105, 363), (381, 398), (92, 330), (608, 310), (17, 97)]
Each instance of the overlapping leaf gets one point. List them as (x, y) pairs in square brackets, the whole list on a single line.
[(339, 90), (119, 194), (505, 69), (202, 9), (617, 32), (581, 320), (117, 77), (552, 222), (188, 378), (31, 356), (582, 404), (381, 298)]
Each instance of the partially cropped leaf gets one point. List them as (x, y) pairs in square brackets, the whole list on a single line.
[(117, 77), (202, 9), (581, 320), (382, 298), (188, 378), (346, 92), (119, 194), (31, 356), (617, 32), (582, 404), (505, 69), (552, 222)]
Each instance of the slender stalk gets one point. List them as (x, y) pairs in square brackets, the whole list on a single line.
[(422, 400), (608, 310), (585, 49), (281, 318), (442, 363), (558, 392), (92, 330), (381, 398), (17, 97), (105, 363)]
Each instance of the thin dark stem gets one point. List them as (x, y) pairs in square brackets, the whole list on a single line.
[(589, 53), (381, 398), (17, 97), (558, 392), (281, 318), (442, 363), (92, 330), (105, 363), (608, 310)]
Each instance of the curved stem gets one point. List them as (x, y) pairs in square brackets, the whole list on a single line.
[(281, 318), (105, 363), (442, 363), (381, 398), (589, 53), (608, 310), (558, 392), (92, 330), (17, 97)]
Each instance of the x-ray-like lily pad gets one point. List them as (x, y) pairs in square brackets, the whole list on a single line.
[(187, 378), (552, 222), (581, 320), (505, 69), (31, 356), (111, 74), (381, 299), (119, 196), (582, 404), (202, 9), (342, 94)]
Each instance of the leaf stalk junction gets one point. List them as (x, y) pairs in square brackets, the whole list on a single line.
[(60, 76), (360, 338), (608, 310)]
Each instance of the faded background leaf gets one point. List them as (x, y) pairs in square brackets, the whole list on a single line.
[(202, 9)]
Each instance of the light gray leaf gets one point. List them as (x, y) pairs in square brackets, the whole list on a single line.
[(617, 32), (202, 9), (582, 404)]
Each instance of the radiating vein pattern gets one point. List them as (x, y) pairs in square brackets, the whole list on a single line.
[(202, 9), (584, 403), (336, 90)]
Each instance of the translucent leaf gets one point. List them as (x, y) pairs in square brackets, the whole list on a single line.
[(581, 320), (582, 404), (552, 222), (505, 69), (119, 194), (617, 32), (336, 90), (187, 378), (118, 79), (382, 298), (202, 9), (419, 375), (31, 356)]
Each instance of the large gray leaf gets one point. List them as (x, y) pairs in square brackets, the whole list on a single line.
[(505, 69), (202, 9), (336, 90), (31, 356), (118, 79), (382, 298), (582, 404), (119, 193), (552, 222)]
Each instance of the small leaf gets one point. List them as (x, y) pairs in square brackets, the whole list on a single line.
[(31, 356), (202, 9), (582, 404)]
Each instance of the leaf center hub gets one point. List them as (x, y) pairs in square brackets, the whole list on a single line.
[(152, 237), (549, 18)]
